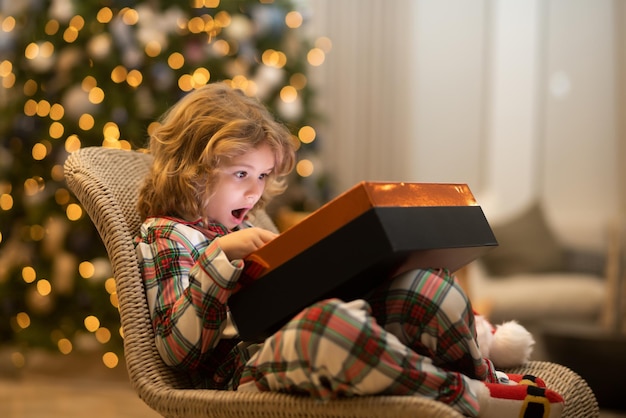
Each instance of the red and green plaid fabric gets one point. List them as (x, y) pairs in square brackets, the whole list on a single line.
[(413, 336)]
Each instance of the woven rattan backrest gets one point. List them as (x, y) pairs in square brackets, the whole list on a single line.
[(106, 182)]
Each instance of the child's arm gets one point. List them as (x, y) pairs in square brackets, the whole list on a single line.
[(187, 286)]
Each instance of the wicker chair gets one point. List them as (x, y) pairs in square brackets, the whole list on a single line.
[(106, 181)]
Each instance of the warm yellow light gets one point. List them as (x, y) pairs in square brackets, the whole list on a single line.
[(316, 57), (52, 27), (111, 130), (92, 323), (96, 95), (64, 345), (30, 107), (134, 78), (110, 360), (56, 112), (129, 16), (273, 58), (30, 87), (73, 212), (6, 201), (70, 34), (6, 67), (223, 18), (109, 285), (44, 287), (153, 49), (43, 108), (114, 301), (304, 168), (57, 175), (77, 22), (111, 143), (31, 51), (8, 24), (61, 196), (104, 15), (195, 24), (221, 47), (23, 320), (39, 151), (307, 134), (33, 185), (239, 82), (210, 26), (72, 143), (56, 130), (119, 74), (88, 83), (293, 19), (211, 4), (201, 76), (103, 335), (269, 57), (86, 122), (86, 269), (152, 126), (9, 81), (298, 80), (176, 60), (46, 49), (29, 274), (288, 94), (185, 82)]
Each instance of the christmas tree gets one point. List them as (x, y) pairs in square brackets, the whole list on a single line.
[(99, 73)]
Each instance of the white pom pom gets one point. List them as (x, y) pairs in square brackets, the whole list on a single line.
[(484, 335), (512, 345)]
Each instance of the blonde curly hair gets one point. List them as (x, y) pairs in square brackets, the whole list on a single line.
[(205, 128)]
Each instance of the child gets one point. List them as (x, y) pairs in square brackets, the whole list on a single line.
[(218, 157)]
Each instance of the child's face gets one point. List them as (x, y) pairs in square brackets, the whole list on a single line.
[(240, 184)]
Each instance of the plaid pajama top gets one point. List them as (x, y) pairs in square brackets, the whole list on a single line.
[(188, 280)]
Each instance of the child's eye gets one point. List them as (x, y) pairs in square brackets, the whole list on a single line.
[(263, 176), (241, 174)]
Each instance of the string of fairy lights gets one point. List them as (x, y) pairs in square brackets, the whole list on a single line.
[(93, 92)]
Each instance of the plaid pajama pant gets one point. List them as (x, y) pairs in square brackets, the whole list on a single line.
[(414, 335)]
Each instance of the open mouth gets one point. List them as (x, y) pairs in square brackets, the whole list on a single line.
[(239, 214)]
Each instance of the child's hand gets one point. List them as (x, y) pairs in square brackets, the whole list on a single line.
[(241, 243)]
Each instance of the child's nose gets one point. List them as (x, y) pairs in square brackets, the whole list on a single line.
[(255, 189)]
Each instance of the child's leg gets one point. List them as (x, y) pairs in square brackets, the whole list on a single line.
[(334, 349), (429, 312)]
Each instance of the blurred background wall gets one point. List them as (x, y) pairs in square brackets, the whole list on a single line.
[(520, 99)]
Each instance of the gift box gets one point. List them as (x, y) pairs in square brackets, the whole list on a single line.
[(364, 236)]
